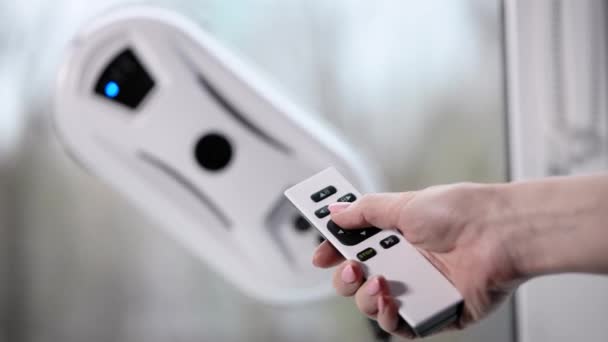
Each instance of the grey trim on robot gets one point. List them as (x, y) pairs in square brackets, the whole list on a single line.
[(231, 109), (188, 185)]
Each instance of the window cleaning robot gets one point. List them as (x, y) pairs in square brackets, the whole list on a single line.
[(171, 119)]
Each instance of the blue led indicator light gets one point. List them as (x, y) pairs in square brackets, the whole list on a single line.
[(112, 89)]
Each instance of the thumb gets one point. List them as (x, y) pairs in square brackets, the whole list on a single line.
[(381, 210)]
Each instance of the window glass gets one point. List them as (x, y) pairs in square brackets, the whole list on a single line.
[(415, 86)]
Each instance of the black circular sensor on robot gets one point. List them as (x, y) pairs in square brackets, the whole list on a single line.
[(213, 152), (301, 224)]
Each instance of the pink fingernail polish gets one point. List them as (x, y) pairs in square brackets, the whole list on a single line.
[(348, 274), (337, 207), (374, 287)]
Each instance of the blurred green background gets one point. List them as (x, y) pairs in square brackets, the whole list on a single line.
[(416, 86)]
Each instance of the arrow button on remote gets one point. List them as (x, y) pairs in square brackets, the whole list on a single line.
[(323, 193), (347, 198), (351, 237)]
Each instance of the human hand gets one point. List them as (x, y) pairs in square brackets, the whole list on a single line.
[(456, 227)]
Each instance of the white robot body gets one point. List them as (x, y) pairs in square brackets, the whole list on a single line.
[(165, 115)]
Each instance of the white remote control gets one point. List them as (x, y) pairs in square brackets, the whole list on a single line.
[(427, 300)]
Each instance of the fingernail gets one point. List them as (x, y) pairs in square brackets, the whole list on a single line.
[(337, 207), (381, 304), (348, 274), (374, 287)]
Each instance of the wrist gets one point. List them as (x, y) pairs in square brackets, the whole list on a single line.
[(505, 232), (555, 225)]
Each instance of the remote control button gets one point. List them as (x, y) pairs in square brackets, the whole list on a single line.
[(321, 213), (389, 242), (351, 237), (366, 254), (323, 194), (347, 198)]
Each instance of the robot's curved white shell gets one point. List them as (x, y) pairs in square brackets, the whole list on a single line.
[(164, 114)]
